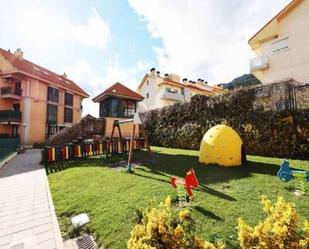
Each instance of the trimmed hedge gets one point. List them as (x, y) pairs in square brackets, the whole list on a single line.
[(266, 133)]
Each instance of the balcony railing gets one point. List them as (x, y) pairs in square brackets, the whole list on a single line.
[(169, 95), (10, 91), (259, 63), (10, 117)]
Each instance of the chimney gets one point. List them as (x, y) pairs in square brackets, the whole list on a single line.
[(166, 75), (190, 81), (199, 80), (206, 83), (158, 73), (64, 75), (19, 54), (152, 71), (185, 81), (202, 81)]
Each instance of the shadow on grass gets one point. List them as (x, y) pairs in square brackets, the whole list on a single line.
[(211, 191), (98, 161), (179, 164), (208, 213)]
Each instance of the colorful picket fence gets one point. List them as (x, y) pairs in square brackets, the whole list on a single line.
[(84, 150)]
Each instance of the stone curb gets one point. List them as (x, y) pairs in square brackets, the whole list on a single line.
[(57, 232), (7, 159)]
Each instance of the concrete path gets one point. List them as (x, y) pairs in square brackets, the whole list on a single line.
[(27, 216)]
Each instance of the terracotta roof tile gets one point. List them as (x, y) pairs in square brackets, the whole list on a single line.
[(34, 70), (119, 90)]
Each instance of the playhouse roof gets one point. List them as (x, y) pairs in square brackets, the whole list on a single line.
[(118, 90)]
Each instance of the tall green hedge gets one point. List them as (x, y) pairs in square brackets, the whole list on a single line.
[(267, 133)]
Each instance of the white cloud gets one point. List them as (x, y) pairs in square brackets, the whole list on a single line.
[(95, 83), (205, 38), (38, 26), (95, 33)]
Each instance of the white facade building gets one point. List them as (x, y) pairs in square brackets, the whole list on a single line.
[(161, 91)]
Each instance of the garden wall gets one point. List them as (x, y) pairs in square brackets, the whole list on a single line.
[(8, 146), (281, 132)]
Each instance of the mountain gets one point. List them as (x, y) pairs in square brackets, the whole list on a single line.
[(242, 81)]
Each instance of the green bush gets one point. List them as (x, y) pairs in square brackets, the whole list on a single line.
[(265, 133)]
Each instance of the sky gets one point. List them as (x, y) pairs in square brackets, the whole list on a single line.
[(100, 42)]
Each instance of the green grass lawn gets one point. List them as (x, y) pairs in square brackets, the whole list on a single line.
[(111, 196)]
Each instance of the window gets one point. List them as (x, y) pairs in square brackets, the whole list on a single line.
[(278, 46), (16, 107), (51, 130), (115, 108), (18, 90), (147, 82), (68, 115), (168, 89), (68, 99), (182, 91), (53, 94), (120, 108), (129, 109), (52, 114), (104, 107), (147, 95)]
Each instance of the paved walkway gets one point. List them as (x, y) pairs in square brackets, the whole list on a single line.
[(27, 216)]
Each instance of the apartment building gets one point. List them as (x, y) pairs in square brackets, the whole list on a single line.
[(282, 46), (161, 91), (35, 102), (118, 102)]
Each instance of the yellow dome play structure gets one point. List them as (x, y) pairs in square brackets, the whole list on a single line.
[(222, 145)]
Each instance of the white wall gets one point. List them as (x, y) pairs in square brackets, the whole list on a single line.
[(294, 61)]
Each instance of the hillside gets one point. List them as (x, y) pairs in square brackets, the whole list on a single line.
[(242, 81)]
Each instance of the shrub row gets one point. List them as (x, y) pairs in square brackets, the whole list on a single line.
[(265, 133)]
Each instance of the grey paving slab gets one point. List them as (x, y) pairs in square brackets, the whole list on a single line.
[(27, 214)]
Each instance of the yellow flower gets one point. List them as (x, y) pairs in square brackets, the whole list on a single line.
[(184, 214), (168, 202), (178, 231)]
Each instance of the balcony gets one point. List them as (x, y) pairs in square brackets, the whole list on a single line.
[(10, 93), (259, 63), (170, 95), (10, 117)]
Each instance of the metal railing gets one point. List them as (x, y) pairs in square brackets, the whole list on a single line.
[(10, 116), (10, 90)]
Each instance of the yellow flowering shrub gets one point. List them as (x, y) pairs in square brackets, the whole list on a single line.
[(164, 228), (279, 230)]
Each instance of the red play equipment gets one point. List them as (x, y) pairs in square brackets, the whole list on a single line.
[(189, 182)]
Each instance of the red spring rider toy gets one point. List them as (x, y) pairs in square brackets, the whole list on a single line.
[(189, 182)]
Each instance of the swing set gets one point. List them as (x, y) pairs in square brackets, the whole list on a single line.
[(136, 122)]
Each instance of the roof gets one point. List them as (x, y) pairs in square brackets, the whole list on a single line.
[(282, 13), (192, 87), (119, 90), (33, 70)]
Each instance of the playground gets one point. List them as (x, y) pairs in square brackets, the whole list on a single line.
[(111, 197)]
